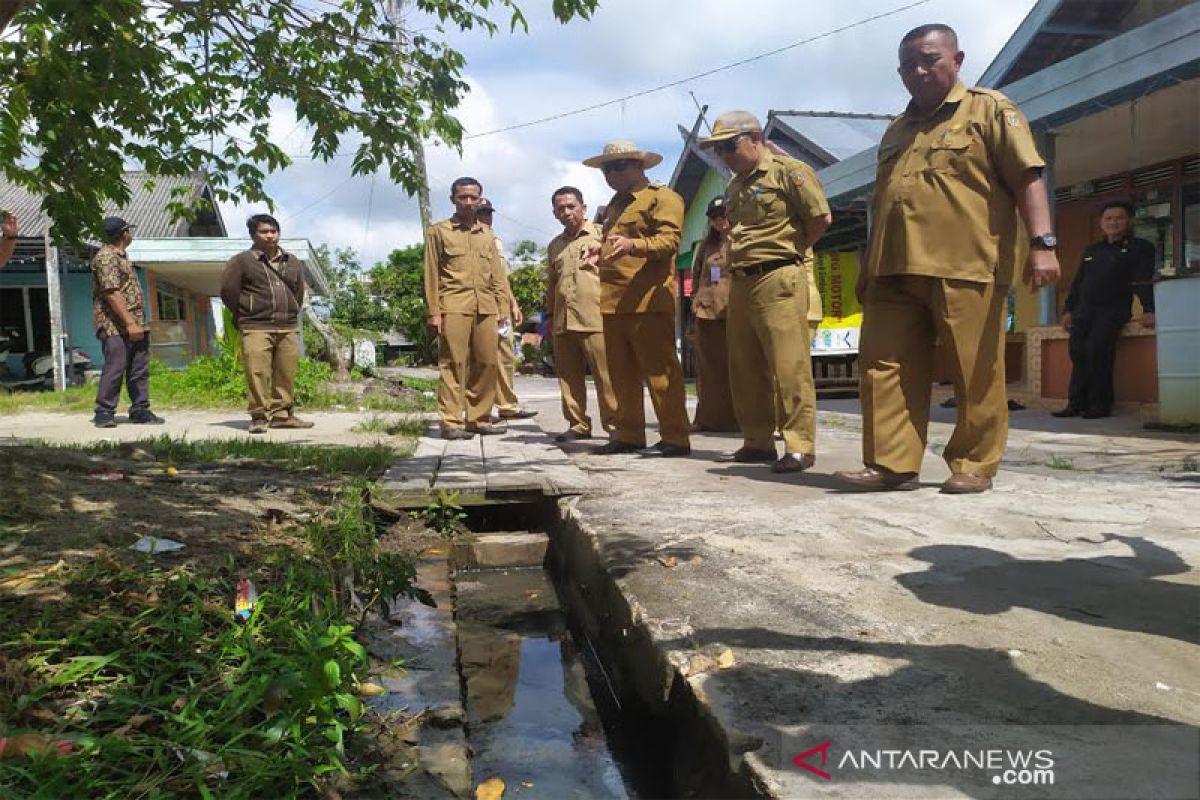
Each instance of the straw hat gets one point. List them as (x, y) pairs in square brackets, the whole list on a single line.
[(622, 150)]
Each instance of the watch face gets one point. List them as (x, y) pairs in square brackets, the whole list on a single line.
[(1050, 240)]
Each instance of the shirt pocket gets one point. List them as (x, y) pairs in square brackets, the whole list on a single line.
[(951, 153)]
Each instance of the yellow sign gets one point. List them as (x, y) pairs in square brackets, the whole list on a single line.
[(836, 275)]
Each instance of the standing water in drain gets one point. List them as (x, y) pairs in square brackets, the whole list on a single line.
[(530, 713)]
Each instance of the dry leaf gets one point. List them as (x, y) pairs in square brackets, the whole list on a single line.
[(725, 660), (670, 562), (369, 689), (15, 746), (491, 789), (134, 722)]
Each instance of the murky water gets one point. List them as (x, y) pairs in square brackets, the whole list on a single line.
[(531, 715)]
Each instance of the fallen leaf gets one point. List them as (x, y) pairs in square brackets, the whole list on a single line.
[(275, 514), (670, 562), (491, 789), (170, 471), (725, 660), (16, 746), (134, 722), (369, 689)]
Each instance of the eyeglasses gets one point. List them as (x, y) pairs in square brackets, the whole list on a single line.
[(728, 146), (617, 166)]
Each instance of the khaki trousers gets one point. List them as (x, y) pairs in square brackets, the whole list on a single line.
[(506, 390), (769, 354), (467, 356), (904, 319), (714, 404), (574, 352), (269, 359), (813, 325), (641, 348)]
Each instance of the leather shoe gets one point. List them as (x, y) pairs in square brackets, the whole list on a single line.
[(750, 455), (104, 421), (877, 479), (146, 417), (290, 422), (489, 430), (665, 450), (1096, 413), (1066, 412), (966, 483), (616, 448), (520, 413), (571, 436), (794, 462), (454, 434), (258, 426)]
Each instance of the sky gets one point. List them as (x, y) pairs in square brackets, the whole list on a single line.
[(627, 47)]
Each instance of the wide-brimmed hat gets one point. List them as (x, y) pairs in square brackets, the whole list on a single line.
[(622, 150), (731, 124)]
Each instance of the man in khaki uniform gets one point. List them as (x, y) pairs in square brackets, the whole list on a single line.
[(642, 227), (958, 174), (507, 404), (573, 303), (778, 211), (462, 284)]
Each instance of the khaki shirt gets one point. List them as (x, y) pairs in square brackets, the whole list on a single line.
[(462, 269), (642, 281), (768, 209), (944, 203), (112, 271), (710, 299), (574, 285)]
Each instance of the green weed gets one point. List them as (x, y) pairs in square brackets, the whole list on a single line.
[(1058, 462), (392, 426), (443, 513)]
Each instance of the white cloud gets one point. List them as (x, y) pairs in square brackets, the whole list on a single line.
[(627, 47)]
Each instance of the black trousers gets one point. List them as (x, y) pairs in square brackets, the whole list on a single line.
[(128, 362), (1092, 345)]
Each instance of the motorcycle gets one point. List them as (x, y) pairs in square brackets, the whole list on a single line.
[(39, 366)]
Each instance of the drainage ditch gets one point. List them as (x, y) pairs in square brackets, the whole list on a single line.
[(562, 693)]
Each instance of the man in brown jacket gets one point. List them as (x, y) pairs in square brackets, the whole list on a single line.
[(642, 226), (264, 290)]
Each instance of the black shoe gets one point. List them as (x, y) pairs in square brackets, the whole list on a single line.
[(571, 436), (750, 455), (614, 448), (146, 417), (794, 462), (1066, 412), (1096, 413), (520, 414), (495, 429), (104, 421), (454, 434), (665, 450)]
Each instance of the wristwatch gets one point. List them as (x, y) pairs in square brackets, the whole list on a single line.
[(1046, 241)]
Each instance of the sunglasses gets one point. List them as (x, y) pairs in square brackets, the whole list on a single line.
[(617, 166), (728, 146)]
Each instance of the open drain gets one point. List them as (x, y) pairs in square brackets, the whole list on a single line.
[(541, 714)]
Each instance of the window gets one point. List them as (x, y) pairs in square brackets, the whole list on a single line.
[(1191, 228), (172, 307), (1152, 222)]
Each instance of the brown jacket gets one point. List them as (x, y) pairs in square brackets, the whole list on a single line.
[(642, 281), (261, 295), (710, 299), (573, 285), (463, 270)]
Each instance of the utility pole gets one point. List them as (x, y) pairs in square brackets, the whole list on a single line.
[(396, 14)]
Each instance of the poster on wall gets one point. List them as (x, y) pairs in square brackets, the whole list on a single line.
[(836, 274)]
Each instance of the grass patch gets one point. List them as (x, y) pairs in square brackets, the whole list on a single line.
[(1058, 462), (366, 462), (125, 678), (392, 426)]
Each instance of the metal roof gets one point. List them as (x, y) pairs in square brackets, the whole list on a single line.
[(147, 209), (834, 137)]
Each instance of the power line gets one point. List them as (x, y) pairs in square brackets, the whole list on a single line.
[(699, 75)]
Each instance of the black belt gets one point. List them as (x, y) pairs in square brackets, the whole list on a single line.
[(764, 267)]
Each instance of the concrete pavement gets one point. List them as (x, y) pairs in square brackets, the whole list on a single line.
[(1069, 595)]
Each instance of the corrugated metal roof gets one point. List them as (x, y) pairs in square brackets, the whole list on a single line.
[(147, 209), (841, 137)]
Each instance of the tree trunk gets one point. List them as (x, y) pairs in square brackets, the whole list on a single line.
[(8, 10), (333, 352)]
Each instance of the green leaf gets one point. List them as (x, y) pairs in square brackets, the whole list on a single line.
[(333, 674)]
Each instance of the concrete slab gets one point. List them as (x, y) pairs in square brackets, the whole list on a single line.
[(501, 550), (1069, 595)]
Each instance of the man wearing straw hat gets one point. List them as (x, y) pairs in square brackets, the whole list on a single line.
[(640, 240), (778, 211)]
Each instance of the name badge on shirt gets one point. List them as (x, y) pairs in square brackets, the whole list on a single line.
[(714, 272)]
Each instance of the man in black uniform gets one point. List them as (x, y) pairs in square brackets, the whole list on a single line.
[(1099, 305)]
